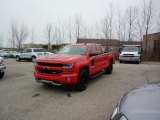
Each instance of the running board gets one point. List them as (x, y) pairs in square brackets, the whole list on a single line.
[(98, 74)]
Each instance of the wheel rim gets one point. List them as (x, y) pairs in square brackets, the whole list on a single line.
[(33, 59)]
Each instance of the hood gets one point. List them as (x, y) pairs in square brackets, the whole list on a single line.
[(142, 103), (62, 58)]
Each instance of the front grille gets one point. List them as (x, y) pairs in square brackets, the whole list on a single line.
[(49, 64), (50, 71), (128, 55)]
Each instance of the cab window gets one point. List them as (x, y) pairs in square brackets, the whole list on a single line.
[(92, 49)]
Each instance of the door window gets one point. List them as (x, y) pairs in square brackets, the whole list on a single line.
[(93, 48), (28, 50), (99, 49)]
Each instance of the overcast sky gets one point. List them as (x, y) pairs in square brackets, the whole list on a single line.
[(36, 13)]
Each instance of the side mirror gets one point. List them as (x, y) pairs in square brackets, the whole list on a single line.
[(120, 50), (94, 53)]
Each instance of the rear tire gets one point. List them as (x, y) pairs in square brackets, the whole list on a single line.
[(18, 59), (120, 61), (1, 75), (82, 83), (109, 68)]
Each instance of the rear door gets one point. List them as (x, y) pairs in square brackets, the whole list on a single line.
[(101, 58), (28, 53), (93, 60), (23, 54)]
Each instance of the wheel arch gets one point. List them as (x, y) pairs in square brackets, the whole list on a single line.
[(84, 68)]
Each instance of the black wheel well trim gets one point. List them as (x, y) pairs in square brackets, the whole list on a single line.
[(111, 60), (33, 56), (84, 68)]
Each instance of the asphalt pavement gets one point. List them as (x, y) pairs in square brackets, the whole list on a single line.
[(21, 98)]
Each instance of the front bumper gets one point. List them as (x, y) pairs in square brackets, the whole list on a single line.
[(132, 59), (56, 79)]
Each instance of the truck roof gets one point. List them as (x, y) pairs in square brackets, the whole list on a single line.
[(86, 44), (131, 45)]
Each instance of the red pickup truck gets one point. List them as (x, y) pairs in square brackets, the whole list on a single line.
[(73, 65)]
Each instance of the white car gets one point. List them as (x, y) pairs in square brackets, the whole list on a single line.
[(130, 53), (2, 67), (4, 54), (12, 54), (31, 54)]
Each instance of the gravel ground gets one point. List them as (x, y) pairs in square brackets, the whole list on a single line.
[(21, 98)]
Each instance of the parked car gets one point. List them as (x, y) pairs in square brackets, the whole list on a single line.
[(73, 65), (2, 67), (4, 54), (141, 103), (12, 54), (31, 54), (130, 53)]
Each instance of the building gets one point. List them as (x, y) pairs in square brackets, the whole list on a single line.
[(108, 44), (153, 42)]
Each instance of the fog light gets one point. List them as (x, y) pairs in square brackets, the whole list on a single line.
[(68, 79)]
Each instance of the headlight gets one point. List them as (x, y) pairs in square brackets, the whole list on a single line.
[(69, 65), (123, 118), (137, 54), (2, 62), (120, 55), (114, 112)]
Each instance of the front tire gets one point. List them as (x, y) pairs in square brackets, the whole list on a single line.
[(1, 75), (109, 68), (17, 59), (82, 80)]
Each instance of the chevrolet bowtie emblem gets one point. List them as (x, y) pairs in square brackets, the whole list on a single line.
[(46, 68)]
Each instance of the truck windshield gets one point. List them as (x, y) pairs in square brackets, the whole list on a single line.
[(73, 50), (130, 49)]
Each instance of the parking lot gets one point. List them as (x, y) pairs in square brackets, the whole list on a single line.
[(21, 98)]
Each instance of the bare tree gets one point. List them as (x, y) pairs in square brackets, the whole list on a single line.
[(124, 28), (119, 28), (140, 27), (97, 31), (19, 36), (62, 32), (85, 32), (13, 29), (105, 27), (69, 26), (110, 13), (49, 35), (78, 25), (131, 14), (147, 18), (158, 23), (1, 41), (32, 37)]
